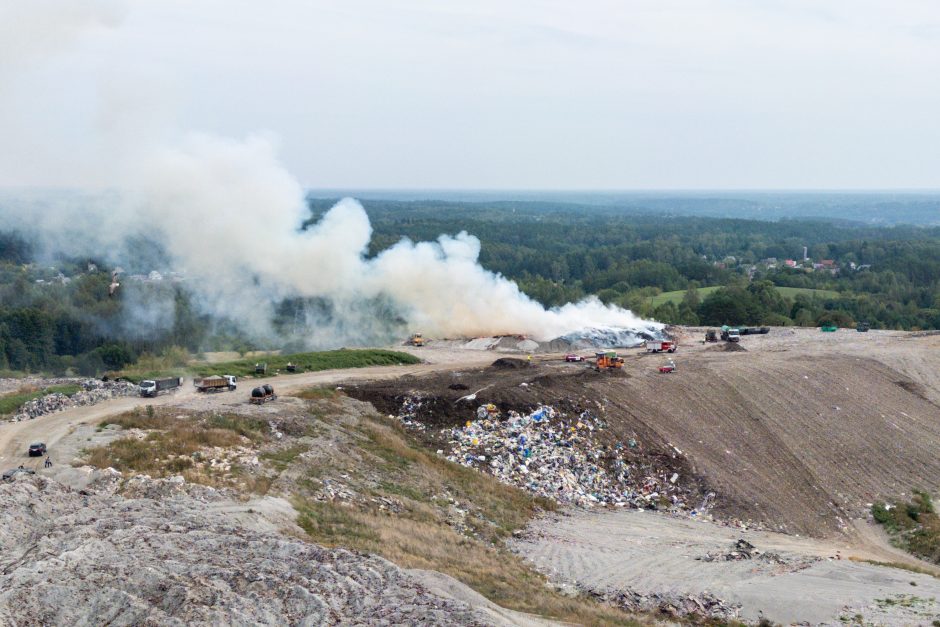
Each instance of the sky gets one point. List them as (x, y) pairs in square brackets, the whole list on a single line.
[(359, 94)]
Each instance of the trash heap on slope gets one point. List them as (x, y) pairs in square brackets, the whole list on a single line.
[(92, 392), (561, 457)]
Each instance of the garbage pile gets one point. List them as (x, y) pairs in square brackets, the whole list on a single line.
[(705, 605), (743, 550), (558, 456), (93, 392)]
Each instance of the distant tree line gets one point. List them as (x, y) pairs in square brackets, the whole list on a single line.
[(557, 254)]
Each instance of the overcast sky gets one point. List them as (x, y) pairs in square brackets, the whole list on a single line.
[(621, 94)]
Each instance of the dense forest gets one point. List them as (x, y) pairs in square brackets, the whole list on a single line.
[(57, 315)]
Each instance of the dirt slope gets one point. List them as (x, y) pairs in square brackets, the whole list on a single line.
[(798, 442), (799, 431)]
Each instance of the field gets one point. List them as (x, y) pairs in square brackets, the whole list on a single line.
[(309, 362), (789, 292)]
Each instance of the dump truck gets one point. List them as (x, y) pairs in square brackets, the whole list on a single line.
[(608, 359), (153, 387), (711, 335), (262, 394), (730, 335), (661, 346), (416, 339), (216, 383)]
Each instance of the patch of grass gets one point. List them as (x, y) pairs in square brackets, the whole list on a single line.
[(310, 362), (251, 428), (158, 453), (676, 296), (283, 458), (138, 418), (920, 570), (333, 525), (172, 443), (913, 526), (388, 487)]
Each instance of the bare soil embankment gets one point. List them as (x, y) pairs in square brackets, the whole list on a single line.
[(799, 432)]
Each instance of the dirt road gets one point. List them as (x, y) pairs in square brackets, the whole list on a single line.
[(15, 438)]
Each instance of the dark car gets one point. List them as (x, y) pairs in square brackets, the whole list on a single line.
[(37, 450), (9, 474)]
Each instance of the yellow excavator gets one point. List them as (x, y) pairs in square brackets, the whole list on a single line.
[(416, 340), (607, 360)]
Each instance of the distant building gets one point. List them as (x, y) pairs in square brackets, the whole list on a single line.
[(790, 263)]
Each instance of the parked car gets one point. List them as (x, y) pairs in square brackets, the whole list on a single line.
[(37, 450), (573, 357), (9, 474)]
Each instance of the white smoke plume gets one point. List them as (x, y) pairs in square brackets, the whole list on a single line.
[(229, 215)]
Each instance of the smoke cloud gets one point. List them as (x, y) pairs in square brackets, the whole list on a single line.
[(229, 216)]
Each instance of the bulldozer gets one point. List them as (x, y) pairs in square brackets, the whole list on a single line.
[(416, 339), (607, 360)]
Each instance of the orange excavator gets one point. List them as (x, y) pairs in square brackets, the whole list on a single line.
[(607, 360)]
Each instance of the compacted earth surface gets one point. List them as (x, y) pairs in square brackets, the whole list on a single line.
[(487, 487)]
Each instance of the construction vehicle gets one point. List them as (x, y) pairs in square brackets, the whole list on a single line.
[(261, 368), (291, 367), (669, 367), (711, 335), (416, 339), (607, 360), (730, 335), (829, 327), (661, 346), (862, 327), (152, 387), (216, 383), (262, 394)]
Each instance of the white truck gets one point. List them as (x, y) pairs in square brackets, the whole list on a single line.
[(153, 387)]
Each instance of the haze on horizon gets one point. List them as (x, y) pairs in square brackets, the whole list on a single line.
[(677, 94)]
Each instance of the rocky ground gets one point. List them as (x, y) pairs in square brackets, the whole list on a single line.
[(95, 557)]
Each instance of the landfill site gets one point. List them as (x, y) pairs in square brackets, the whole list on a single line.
[(724, 481)]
